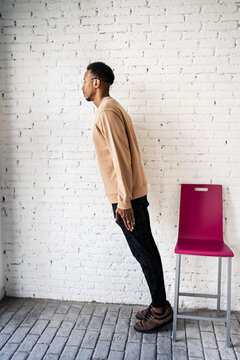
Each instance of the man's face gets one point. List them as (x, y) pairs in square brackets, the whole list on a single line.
[(88, 88)]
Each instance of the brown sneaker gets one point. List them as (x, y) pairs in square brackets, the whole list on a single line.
[(154, 321), (141, 314)]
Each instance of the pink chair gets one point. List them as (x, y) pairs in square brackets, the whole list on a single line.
[(201, 233)]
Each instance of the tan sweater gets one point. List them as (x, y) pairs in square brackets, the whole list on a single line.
[(118, 154)]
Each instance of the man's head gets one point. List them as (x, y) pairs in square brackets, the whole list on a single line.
[(97, 79)]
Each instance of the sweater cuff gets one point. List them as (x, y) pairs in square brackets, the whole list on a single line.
[(124, 204)]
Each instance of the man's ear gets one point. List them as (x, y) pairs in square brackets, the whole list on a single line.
[(96, 83)]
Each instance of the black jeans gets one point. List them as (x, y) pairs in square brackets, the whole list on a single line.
[(144, 249)]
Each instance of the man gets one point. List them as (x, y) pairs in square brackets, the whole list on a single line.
[(125, 185)]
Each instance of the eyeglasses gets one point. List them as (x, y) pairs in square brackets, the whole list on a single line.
[(84, 82)]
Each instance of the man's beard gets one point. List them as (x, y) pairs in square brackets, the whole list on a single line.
[(90, 97)]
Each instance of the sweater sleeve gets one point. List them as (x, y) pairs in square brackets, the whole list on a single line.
[(112, 127)]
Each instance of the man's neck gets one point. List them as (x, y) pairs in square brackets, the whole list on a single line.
[(98, 98)]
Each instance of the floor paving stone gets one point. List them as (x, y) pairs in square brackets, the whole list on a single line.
[(192, 330), (106, 333), (148, 351), (90, 340), (113, 307), (87, 309), (51, 357), (11, 326), (19, 335), (69, 353), (76, 338), (164, 345), (23, 312), (125, 312), (7, 351), (194, 348), (39, 327), (135, 336), (220, 332), (164, 357), (208, 340), (39, 306), (30, 319), (57, 345), (73, 313), (38, 352), (226, 354), (206, 325), (119, 342), (56, 320), (132, 351), (235, 326), (148, 338), (43, 329), (181, 338), (48, 312), (62, 308), (179, 353), (5, 317), (20, 356), (95, 323), (111, 318), (65, 329), (3, 339), (122, 326), (100, 310), (211, 354), (116, 355), (236, 342), (47, 335), (101, 350), (28, 343), (82, 322), (84, 354)]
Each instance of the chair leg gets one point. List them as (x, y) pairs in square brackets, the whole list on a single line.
[(228, 341), (176, 296), (219, 285)]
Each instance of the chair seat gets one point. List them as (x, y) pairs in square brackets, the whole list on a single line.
[(203, 247)]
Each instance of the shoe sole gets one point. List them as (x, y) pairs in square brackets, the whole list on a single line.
[(156, 328)]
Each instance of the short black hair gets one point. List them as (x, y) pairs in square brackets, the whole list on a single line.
[(102, 72)]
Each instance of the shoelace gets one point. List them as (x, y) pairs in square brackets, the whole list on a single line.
[(149, 315)]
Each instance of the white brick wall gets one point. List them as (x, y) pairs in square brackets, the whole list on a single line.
[(177, 73)]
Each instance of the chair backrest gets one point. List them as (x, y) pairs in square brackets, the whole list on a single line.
[(201, 212)]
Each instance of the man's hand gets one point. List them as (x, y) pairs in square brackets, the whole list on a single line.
[(128, 217)]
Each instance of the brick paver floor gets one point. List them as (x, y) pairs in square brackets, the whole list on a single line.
[(37, 329)]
